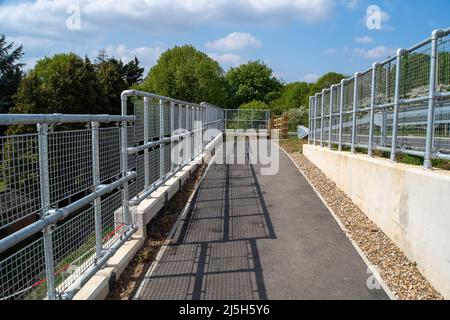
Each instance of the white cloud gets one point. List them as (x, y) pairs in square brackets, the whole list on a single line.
[(351, 4), (364, 40), (310, 77), (227, 59), (146, 55), (375, 53), (31, 42), (330, 51), (234, 42), (48, 17)]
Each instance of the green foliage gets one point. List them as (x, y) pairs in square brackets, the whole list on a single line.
[(294, 95), (132, 72), (63, 83), (255, 104), (187, 74), (10, 73), (298, 117), (253, 81), (326, 81), (110, 78)]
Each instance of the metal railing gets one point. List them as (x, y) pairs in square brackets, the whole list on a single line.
[(400, 105), (69, 190)]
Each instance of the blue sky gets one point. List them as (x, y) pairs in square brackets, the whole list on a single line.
[(298, 39)]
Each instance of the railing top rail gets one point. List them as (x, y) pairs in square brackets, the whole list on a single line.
[(136, 93), (57, 118)]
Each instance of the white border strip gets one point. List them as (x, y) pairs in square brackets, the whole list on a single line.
[(377, 276)]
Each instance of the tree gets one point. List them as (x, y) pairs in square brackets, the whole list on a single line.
[(64, 83), (133, 72), (294, 95), (253, 81), (187, 74), (326, 81), (253, 105), (10, 73), (111, 80)]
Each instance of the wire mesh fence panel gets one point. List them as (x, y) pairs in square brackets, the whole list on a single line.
[(415, 73), (19, 179), (73, 248), (442, 111), (153, 121), (140, 173), (349, 87), (443, 63), (326, 116), (139, 122), (109, 153), (319, 118), (414, 83), (112, 219), (69, 163), (442, 127), (335, 111), (167, 158), (22, 274), (385, 83), (166, 118)]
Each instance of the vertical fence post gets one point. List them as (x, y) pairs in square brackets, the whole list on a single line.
[(372, 108), (96, 183), (400, 52), (124, 165), (146, 136), (322, 107), (45, 203), (341, 114), (161, 136), (355, 107), (172, 129), (431, 100), (316, 98), (330, 116), (310, 121)]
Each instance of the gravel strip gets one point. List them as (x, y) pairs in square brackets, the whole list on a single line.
[(400, 274)]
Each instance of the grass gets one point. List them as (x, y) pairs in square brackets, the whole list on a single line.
[(293, 144)]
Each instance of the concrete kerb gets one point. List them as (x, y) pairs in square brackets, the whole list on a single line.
[(98, 287), (377, 276)]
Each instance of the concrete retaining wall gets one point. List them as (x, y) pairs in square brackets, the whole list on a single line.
[(410, 204)]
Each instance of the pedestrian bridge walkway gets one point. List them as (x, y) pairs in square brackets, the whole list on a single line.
[(250, 236)]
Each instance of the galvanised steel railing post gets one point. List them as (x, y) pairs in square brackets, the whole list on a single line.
[(124, 166), (161, 136), (322, 117), (372, 108), (400, 53), (45, 203), (355, 107), (330, 116), (341, 114), (146, 137), (172, 129), (316, 98), (431, 99), (96, 183), (310, 121)]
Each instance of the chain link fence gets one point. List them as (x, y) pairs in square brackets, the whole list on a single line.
[(400, 105)]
